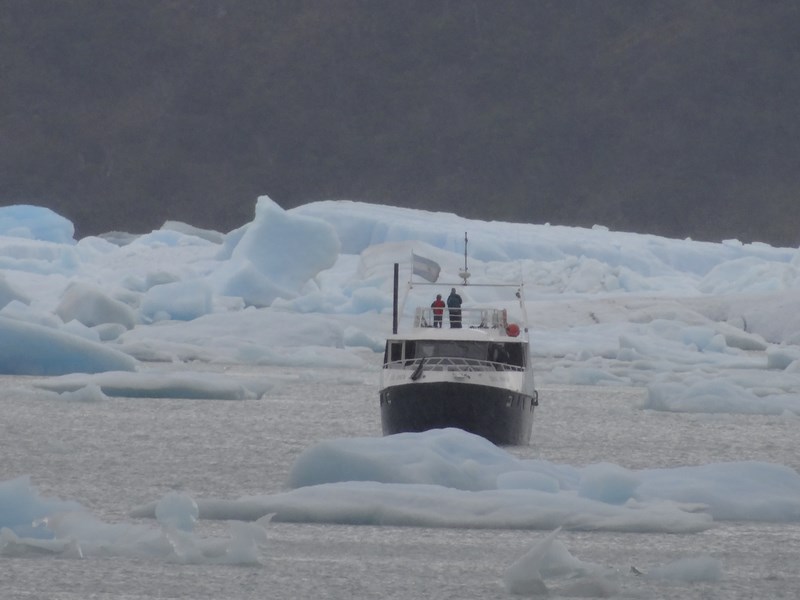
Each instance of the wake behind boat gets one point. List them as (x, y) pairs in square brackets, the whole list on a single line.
[(475, 376)]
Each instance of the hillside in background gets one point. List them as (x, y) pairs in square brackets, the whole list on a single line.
[(677, 118)]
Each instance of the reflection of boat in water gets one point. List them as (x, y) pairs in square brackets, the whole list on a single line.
[(477, 377)]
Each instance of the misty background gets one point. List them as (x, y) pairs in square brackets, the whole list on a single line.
[(676, 118)]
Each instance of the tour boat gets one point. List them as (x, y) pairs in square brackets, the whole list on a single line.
[(476, 376)]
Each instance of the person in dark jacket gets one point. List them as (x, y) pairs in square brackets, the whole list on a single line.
[(438, 310), (454, 308)]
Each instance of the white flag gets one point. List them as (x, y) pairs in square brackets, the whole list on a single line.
[(425, 268)]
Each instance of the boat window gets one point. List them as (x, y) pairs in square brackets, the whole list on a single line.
[(450, 349), (516, 354), (498, 353), (507, 354), (393, 352), (426, 349)]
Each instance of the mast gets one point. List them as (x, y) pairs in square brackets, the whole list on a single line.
[(465, 273), (465, 251)]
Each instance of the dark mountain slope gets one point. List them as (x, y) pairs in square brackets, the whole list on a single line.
[(676, 118)]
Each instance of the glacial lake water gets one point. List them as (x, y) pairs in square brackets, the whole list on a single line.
[(115, 455)]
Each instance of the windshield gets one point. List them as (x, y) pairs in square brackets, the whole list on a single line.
[(508, 353), (451, 349)]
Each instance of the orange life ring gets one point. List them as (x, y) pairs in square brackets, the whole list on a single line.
[(512, 330)]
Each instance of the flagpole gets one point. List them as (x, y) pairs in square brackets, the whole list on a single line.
[(394, 298)]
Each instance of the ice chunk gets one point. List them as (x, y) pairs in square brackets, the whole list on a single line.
[(178, 510), (92, 306), (35, 223), (31, 349), (276, 255)]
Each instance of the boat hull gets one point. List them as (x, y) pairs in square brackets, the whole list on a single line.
[(501, 416)]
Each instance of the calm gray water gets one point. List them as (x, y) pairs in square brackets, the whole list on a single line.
[(115, 455)]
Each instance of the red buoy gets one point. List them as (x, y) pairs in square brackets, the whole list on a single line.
[(512, 330)]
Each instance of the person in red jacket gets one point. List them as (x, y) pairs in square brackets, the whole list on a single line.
[(438, 310)]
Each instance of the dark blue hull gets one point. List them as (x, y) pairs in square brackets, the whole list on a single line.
[(501, 416)]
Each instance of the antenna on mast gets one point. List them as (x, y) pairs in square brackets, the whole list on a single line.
[(465, 273)]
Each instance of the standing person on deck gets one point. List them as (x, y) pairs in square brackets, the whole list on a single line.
[(454, 308), (438, 310)]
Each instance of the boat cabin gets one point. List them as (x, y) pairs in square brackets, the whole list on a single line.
[(483, 341), (449, 354)]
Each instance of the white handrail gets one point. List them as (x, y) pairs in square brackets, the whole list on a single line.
[(477, 318), (447, 363)]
